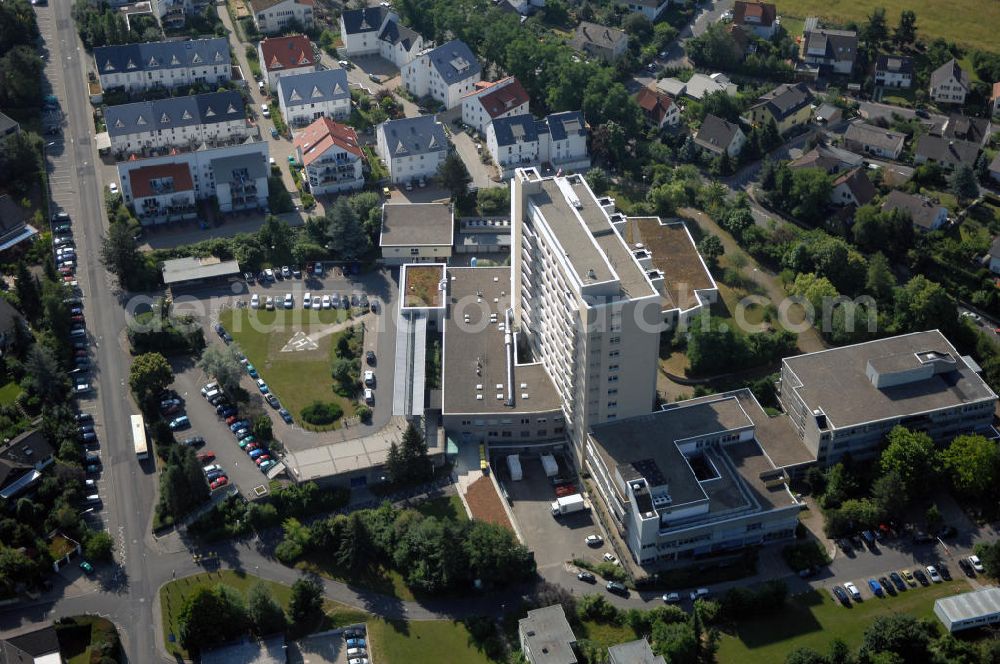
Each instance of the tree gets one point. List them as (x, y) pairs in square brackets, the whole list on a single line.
[(810, 193), (880, 281), (804, 655), (265, 614), (906, 30), (120, 255), (275, 238), (899, 634), (877, 29), (211, 615), (394, 465), (356, 549), (43, 376), (676, 642), (149, 376), (923, 304), (408, 462), (711, 249), (890, 493), (598, 180), (495, 556), (455, 176), (989, 556), (347, 239), (972, 464), (638, 27), (262, 428), (223, 364), (306, 603), (911, 455), (29, 295), (933, 518), (98, 545), (963, 183)]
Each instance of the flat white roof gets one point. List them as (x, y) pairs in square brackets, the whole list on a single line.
[(966, 606)]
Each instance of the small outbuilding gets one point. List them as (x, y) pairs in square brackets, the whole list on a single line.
[(191, 271)]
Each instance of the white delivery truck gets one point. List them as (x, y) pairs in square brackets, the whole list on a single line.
[(568, 505), (550, 465), (514, 464)]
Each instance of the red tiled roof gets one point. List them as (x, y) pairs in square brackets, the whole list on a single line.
[(323, 134), (141, 178), (655, 104), (764, 12), (502, 99), (287, 52)]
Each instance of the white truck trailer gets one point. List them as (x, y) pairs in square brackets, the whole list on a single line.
[(568, 505)]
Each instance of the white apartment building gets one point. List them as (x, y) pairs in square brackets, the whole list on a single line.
[(285, 56), (397, 43), (360, 28), (235, 174), (446, 73), (500, 99), (521, 141), (412, 148), (312, 95), (272, 16), (162, 193), (331, 156), (651, 9), (582, 302), (950, 83), (213, 117), (137, 67)]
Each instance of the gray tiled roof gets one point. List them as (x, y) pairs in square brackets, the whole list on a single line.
[(516, 129), (6, 123), (174, 112), (313, 87), (840, 45), (414, 136), (715, 133), (224, 167), (454, 61), (154, 56), (866, 134), (369, 19), (562, 125), (946, 71), (894, 64), (786, 99), (921, 211), (948, 151), (394, 33)]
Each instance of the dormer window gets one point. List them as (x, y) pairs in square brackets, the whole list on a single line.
[(196, 59), (130, 65), (108, 66), (209, 112), (174, 60), (187, 114), (164, 119), (141, 121), (153, 62)]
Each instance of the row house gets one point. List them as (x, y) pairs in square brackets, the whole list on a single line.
[(170, 64), (312, 95), (272, 16), (285, 56), (522, 141), (499, 99)]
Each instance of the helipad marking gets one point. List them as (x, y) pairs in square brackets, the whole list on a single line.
[(299, 342)]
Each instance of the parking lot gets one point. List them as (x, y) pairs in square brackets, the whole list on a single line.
[(555, 540), (325, 648)]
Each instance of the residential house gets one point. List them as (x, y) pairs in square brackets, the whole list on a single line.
[(852, 188), (829, 51), (697, 86), (22, 460), (521, 7), (965, 128), (331, 157), (14, 226), (8, 126), (360, 28), (412, 148), (315, 94), (717, 136), (893, 71), (658, 108), (273, 16), (948, 152), (994, 255), (173, 14), (285, 56), (162, 193), (828, 114), (633, 652), (546, 637), (760, 18), (845, 400), (170, 64), (925, 215), (31, 644), (499, 99), (397, 43), (236, 175), (520, 141), (212, 117), (651, 9), (416, 233), (788, 105), (446, 73), (599, 41), (830, 159), (994, 168), (876, 141), (950, 83), (995, 99)]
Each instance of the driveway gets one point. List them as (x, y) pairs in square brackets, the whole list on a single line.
[(482, 174)]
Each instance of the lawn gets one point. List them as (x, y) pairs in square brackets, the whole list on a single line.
[(446, 507), (604, 634), (173, 594), (297, 377), (380, 579), (422, 642), (968, 22), (9, 393), (79, 635), (813, 620), (421, 286)]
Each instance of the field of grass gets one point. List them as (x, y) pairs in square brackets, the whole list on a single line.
[(423, 642), (605, 635), (298, 378), (971, 23), (173, 595), (76, 641), (814, 619), (9, 393), (381, 580), (446, 507)]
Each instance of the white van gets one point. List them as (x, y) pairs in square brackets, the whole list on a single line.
[(93, 499), (700, 593), (356, 652)]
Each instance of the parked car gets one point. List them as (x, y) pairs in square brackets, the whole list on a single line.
[(356, 643), (213, 467), (262, 459), (252, 370), (617, 588), (369, 396), (285, 415), (264, 467), (841, 596), (289, 301), (921, 577), (370, 357), (255, 301), (262, 386), (886, 585), (219, 482), (876, 588), (897, 581), (272, 400), (206, 457), (369, 378), (966, 567), (586, 577), (853, 591), (86, 567), (239, 424), (672, 598), (257, 452), (307, 301), (214, 475), (286, 272), (933, 574), (977, 564), (178, 423), (193, 441), (908, 577), (610, 557), (269, 303), (594, 540)]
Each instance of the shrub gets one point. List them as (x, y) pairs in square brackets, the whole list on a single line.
[(321, 413), (364, 414), (805, 555)]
